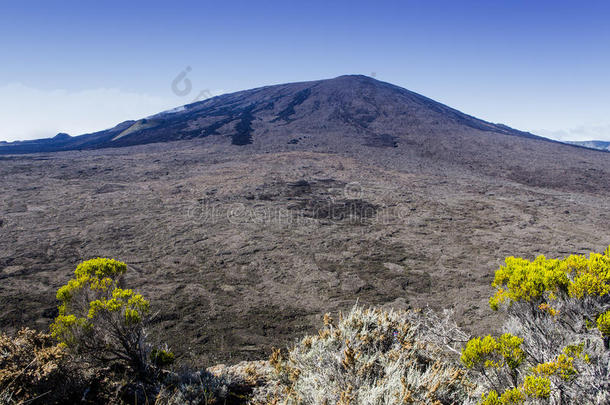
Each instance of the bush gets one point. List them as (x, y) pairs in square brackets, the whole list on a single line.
[(194, 388), (554, 349), (35, 369), (370, 356), (558, 325), (102, 323), (162, 357)]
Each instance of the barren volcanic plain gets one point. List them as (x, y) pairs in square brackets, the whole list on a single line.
[(273, 206)]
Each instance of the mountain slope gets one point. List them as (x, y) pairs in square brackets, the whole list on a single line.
[(355, 105)]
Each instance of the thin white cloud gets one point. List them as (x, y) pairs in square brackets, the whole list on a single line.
[(599, 132), (30, 113)]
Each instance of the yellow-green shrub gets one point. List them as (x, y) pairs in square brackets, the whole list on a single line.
[(521, 280), (491, 398), (537, 387), (489, 352), (162, 357), (603, 324), (99, 320), (512, 396), (560, 309), (563, 366)]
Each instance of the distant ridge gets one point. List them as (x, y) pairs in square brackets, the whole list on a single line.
[(599, 145)]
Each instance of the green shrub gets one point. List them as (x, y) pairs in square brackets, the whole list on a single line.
[(162, 357), (100, 321), (544, 280), (489, 352), (558, 310)]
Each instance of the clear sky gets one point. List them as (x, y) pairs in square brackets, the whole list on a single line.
[(81, 66)]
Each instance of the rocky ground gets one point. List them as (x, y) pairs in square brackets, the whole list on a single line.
[(242, 249)]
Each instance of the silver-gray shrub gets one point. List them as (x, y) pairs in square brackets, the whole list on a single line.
[(373, 356)]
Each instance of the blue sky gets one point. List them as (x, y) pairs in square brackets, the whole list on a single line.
[(81, 66)]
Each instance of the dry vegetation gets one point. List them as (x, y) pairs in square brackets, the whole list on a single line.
[(368, 356), (34, 368), (555, 350)]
